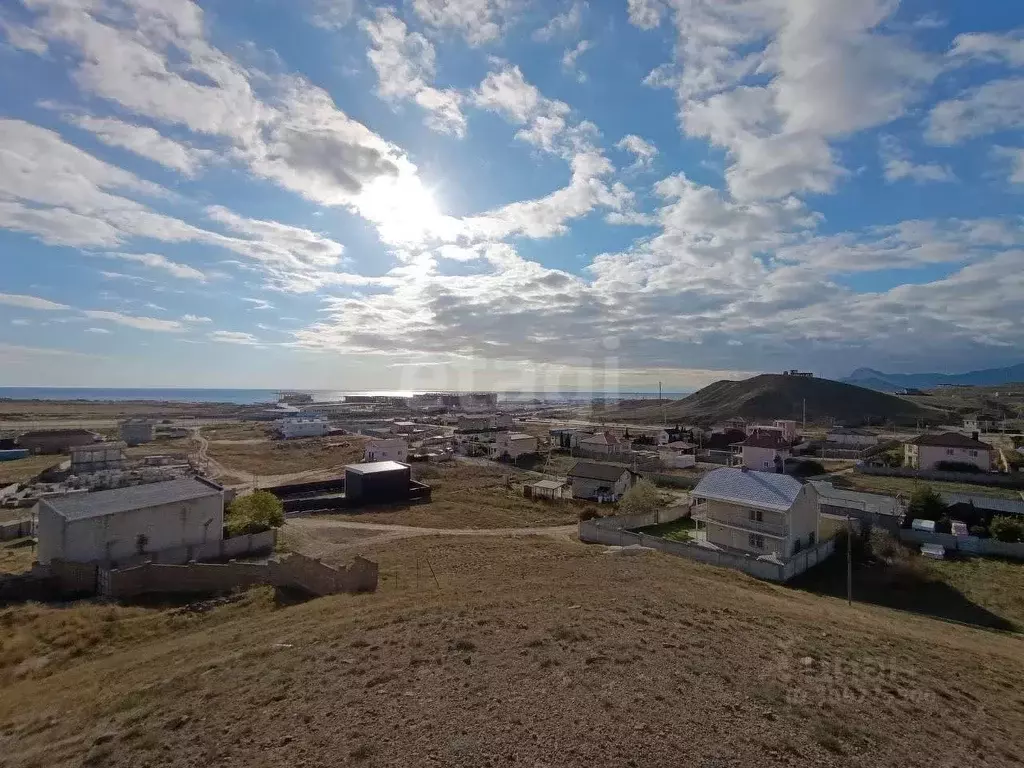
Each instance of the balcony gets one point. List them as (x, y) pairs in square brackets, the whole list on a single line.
[(774, 524)]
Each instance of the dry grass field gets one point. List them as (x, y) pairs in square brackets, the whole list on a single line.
[(17, 555), (525, 652), (81, 410), (21, 470), (247, 448), (475, 496), (906, 486)]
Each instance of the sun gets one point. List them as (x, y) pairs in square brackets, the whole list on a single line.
[(405, 210)]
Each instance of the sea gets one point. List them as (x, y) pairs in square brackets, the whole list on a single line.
[(257, 396)]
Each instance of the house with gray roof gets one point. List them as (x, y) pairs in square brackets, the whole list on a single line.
[(599, 481), (758, 513)]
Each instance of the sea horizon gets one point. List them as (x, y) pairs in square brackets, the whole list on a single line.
[(242, 396)]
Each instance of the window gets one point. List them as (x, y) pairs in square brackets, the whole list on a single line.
[(974, 454), (756, 515), (810, 539), (756, 542), (949, 451)]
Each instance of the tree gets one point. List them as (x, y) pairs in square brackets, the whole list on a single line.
[(925, 504), (640, 499), (1006, 529), (257, 512)]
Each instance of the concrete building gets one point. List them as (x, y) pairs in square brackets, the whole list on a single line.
[(764, 450), (403, 427), (762, 513), (502, 421), (474, 423), (851, 438), (97, 457), (394, 449), (377, 482), (137, 431), (290, 428), (979, 423), (601, 482), (512, 445), (788, 428), (928, 451), (56, 440), (602, 444), (121, 523)]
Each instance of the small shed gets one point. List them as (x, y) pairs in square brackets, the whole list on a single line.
[(377, 481), (546, 489)]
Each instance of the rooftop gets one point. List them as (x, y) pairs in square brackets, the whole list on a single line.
[(601, 438), (841, 497), (766, 490), (850, 431), (592, 470), (1008, 506), (549, 485), (951, 440), (519, 436), (372, 467), (770, 439), (81, 506), (57, 433)]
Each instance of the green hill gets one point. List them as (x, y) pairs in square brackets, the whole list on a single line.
[(774, 396)]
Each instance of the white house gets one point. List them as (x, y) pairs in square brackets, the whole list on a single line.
[(788, 427), (124, 522), (757, 512), (512, 445), (765, 450), (602, 444), (854, 438), (927, 451), (379, 449), (298, 427)]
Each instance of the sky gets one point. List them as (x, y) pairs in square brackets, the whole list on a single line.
[(506, 194)]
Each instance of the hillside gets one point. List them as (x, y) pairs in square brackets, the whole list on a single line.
[(893, 382), (774, 396), (512, 658)]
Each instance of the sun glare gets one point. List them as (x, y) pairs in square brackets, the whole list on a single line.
[(404, 209)]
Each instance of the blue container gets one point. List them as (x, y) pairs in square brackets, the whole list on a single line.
[(14, 453)]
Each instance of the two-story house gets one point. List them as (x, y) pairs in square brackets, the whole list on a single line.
[(928, 451), (381, 449), (757, 512), (765, 450), (602, 444)]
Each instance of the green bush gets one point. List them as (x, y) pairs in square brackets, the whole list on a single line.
[(944, 525), (257, 512), (588, 513), (957, 466), (980, 531), (1007, 529), (806, 469), (640, 499), (925, 504)]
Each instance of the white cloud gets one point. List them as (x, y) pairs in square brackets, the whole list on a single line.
[(235, 337), (258, 303), (479, 21), (644, 150), (898, 164), (566, 23), (144, 141), (31, 302), (645, 14), (134, 321), (404, 62), (332, 14), (97, 330), (509, 94), (161, 262), (1015, 157), (995, 106), (825, 71), (23, 38), (195, 319), (20, 321), (990, 47), (572, 54)]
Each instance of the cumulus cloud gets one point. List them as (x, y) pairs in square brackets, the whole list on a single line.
[(331, 14), (566, 23), (478, 21), (898, 165), (1006, 48), (645, 14), (1015, 157), (572, 54), (644, 150), (995, 106), (144, 141), (404, 62)]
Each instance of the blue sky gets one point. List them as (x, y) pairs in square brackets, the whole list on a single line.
[(505, 193)]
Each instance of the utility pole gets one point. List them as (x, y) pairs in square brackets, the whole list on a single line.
[(805, 413), (849, 560), (664, 417)]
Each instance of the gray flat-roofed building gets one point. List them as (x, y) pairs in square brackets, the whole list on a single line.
[(377, 481), (124, 522), (56, 440)]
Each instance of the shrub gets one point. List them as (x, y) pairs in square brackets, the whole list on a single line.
[(925, 504), (588, 513), (944, 525), (640, 499), (807, 469), (980, 531), (257, 512), (1007, 529)]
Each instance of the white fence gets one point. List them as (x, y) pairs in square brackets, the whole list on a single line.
[(968, 544), (616, 531)]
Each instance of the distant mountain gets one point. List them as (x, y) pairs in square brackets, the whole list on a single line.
[(893, 382), (774, 396)]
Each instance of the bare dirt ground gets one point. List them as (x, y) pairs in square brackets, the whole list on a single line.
[(246, 449), (526, 651), (79, 411)]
